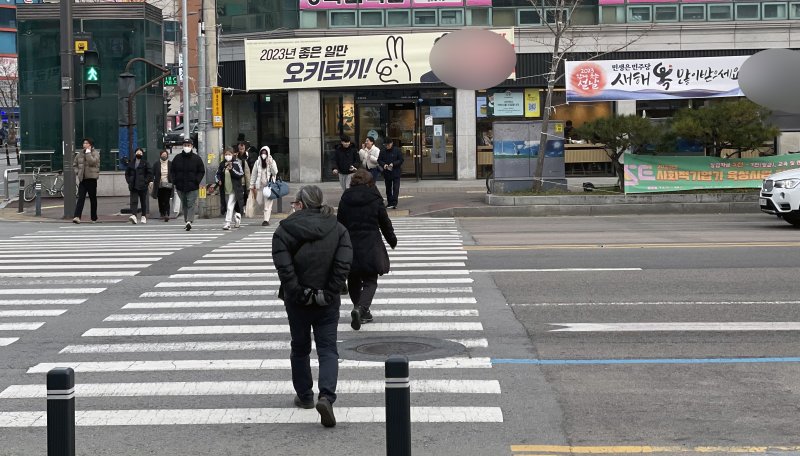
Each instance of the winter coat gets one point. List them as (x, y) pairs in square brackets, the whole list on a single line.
[(86, 166), (187, 171), (138, 177), (393, 156), (257, 181), (245, 166), (236, 179), (344, 158), (362, 212), (157, 175), (369, 157), (313, 251)]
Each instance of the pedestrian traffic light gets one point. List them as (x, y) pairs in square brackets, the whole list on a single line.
[(91, 75)]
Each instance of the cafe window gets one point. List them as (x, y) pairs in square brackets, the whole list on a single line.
[(425, 18), (451, 17), (529, 17), (773, 11), (720, 12), (748, 11), (479, 16), (342, 18), (666, 13), (398, 18), (370, 18), (693, 12), (639, 14)]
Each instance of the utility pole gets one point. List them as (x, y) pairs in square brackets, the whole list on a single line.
[(202, 114), (67, 106), (187, 123), (213, 142)]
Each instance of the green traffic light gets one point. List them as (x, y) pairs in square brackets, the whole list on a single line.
[(92, 74)]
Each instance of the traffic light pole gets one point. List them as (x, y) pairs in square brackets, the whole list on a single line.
[(67, 106), (132, 96)]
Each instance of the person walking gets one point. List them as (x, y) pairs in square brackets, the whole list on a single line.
[(86, 165), (361, 211), (186, 174), (241, 154), (162, 185), (231, 192), (369, 157), (345, 161), (312, 253), (265, 170), (139, 176), (390, 161)]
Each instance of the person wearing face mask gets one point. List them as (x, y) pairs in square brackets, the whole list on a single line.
[(229, 179), (138, 175), (162, 186), (265, 169), (186, 174), (241, 154), (86, 166)]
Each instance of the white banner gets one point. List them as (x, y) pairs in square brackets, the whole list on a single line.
[(653, 79), (377, 60)]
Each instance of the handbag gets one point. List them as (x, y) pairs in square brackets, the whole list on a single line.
[(266, 192), (176, 203), (250, 208), (278, 188)]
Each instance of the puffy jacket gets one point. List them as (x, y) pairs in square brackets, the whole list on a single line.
[(138, 177), (311, 250), (344, 158), (393, 157), (362, 212), (86, 166), (187, 171)]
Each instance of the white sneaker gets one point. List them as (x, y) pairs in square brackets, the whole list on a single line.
[(143, 219), (132, 218), (237, 220), (226, 226)]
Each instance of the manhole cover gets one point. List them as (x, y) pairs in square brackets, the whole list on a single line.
[(394, 348)]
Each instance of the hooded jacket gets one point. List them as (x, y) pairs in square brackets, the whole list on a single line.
[(362, 212), (311, 250)]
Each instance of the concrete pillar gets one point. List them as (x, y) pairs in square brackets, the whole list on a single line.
[(626, 107), (305, 136), (466, 135)]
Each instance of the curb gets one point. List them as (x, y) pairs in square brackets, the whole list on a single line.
[(554, 210)]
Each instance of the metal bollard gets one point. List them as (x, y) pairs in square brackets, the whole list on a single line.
[(21, 201), (398, 407), (61, 412), (38, 199), (280, 205)]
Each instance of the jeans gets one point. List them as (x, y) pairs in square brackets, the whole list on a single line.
[(188, 202), (362, 288), (87, 186), (139, 196), (164, 195), (344, 180), (325, 322), (376, 174), (392, 189)]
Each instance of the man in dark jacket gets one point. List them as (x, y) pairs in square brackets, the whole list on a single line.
[(186, 174), (390, 161), (345, 161), (312, 253), (138, 175)]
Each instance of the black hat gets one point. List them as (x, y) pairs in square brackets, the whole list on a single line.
[(388, 141), (188, 141)]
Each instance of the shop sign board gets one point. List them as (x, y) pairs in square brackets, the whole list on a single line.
[(653, 79), (507, 104), (216, 107), (388, 4), (377, 60), (654, 173), (439, 146), (532, 106)]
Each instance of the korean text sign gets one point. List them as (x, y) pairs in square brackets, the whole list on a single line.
[(653, 79), (378, 60), (649, 173)]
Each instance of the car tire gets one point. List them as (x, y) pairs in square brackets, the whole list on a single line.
[(793, 218)]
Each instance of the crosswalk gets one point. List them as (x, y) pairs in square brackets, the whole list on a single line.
[(46, 273), (209, 344)]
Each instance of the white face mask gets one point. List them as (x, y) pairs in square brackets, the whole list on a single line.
[(263, 156), (187, 149), (228, 158)]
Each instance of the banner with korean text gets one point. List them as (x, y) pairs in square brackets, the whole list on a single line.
[(376, 60), (653, 79), (653, 173)]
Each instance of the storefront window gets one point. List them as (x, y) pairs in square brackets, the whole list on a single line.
[(262, 120), (338, 118)]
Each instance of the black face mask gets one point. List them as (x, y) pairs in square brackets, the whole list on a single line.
[(138, 155), (163, 158)]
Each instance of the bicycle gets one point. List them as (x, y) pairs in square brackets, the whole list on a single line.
[(56, 188)]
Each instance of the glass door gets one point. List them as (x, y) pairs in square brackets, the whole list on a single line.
[(402, 128), (371, 120)]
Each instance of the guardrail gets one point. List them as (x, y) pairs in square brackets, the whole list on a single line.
[(7, 181)]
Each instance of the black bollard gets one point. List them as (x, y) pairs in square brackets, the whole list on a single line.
[(21, 200), (280, 205), (61, 412), (38, 199), (398, 407)]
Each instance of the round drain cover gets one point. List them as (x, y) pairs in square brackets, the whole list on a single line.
[(415, 348), (394, 348)]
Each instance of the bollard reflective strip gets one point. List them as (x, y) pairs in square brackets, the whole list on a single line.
[(61, 394), (397, 382)]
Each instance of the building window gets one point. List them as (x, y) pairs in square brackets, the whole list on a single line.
[(172, 31), (8, 43), (398, 18), (720, 12), (529, 17), (425, 18), (479, 16), (774, 11), (748, 11), (794, 10), (612, 14), (666, 13), (584, 15), (342, 18), (504, 17), (556, 15), (639, 14), (308, 19), (451, 17), (370, 18), (693, 12)]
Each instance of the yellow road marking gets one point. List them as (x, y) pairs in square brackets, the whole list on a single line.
[(676, 245), (633, 449)]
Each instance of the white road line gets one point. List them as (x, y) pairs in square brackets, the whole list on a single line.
[(40, 302), (205, 417), (275, 283), (233, 258), (277, 302), (245, 364), (273, 275), (82, 236), (43, 259), (427, 273), (218, 293), (72, 273), (60, 282), (29, 326), (77, 250), (54, 291), (75, 266), (431, 251), (264, 315), (6, 341), (237, 388), (558, 270), (679, 326), (32, 313), (213, 346), (428, 265), (275, 329), (83, 254), (151, 244), (656, 303)]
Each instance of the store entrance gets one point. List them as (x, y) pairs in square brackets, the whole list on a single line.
[(393, 120)]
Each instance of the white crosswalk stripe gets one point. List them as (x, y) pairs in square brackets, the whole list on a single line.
[(221, 316)]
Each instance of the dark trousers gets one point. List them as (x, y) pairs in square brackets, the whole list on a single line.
[(324, 321), (139, 197), (362, 289), (164, 195), (87, 186), (392, 189)]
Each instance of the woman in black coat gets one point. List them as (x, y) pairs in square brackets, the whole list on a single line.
[(362, 212)]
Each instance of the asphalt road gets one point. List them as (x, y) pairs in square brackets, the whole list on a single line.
[(612, 335)]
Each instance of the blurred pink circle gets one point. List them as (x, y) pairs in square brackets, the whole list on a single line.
[(473, 59)]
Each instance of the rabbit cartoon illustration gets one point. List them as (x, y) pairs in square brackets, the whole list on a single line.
[(394, 68)]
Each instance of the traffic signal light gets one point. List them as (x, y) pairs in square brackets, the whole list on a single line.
[(126, 86), (91, 75)]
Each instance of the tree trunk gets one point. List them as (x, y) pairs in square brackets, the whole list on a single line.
[(551, 82), (620, 175)]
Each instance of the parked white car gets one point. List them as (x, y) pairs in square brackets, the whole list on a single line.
[(780, 195)]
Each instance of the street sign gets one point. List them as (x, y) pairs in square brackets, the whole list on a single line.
[(81, 46), (216, 107)]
